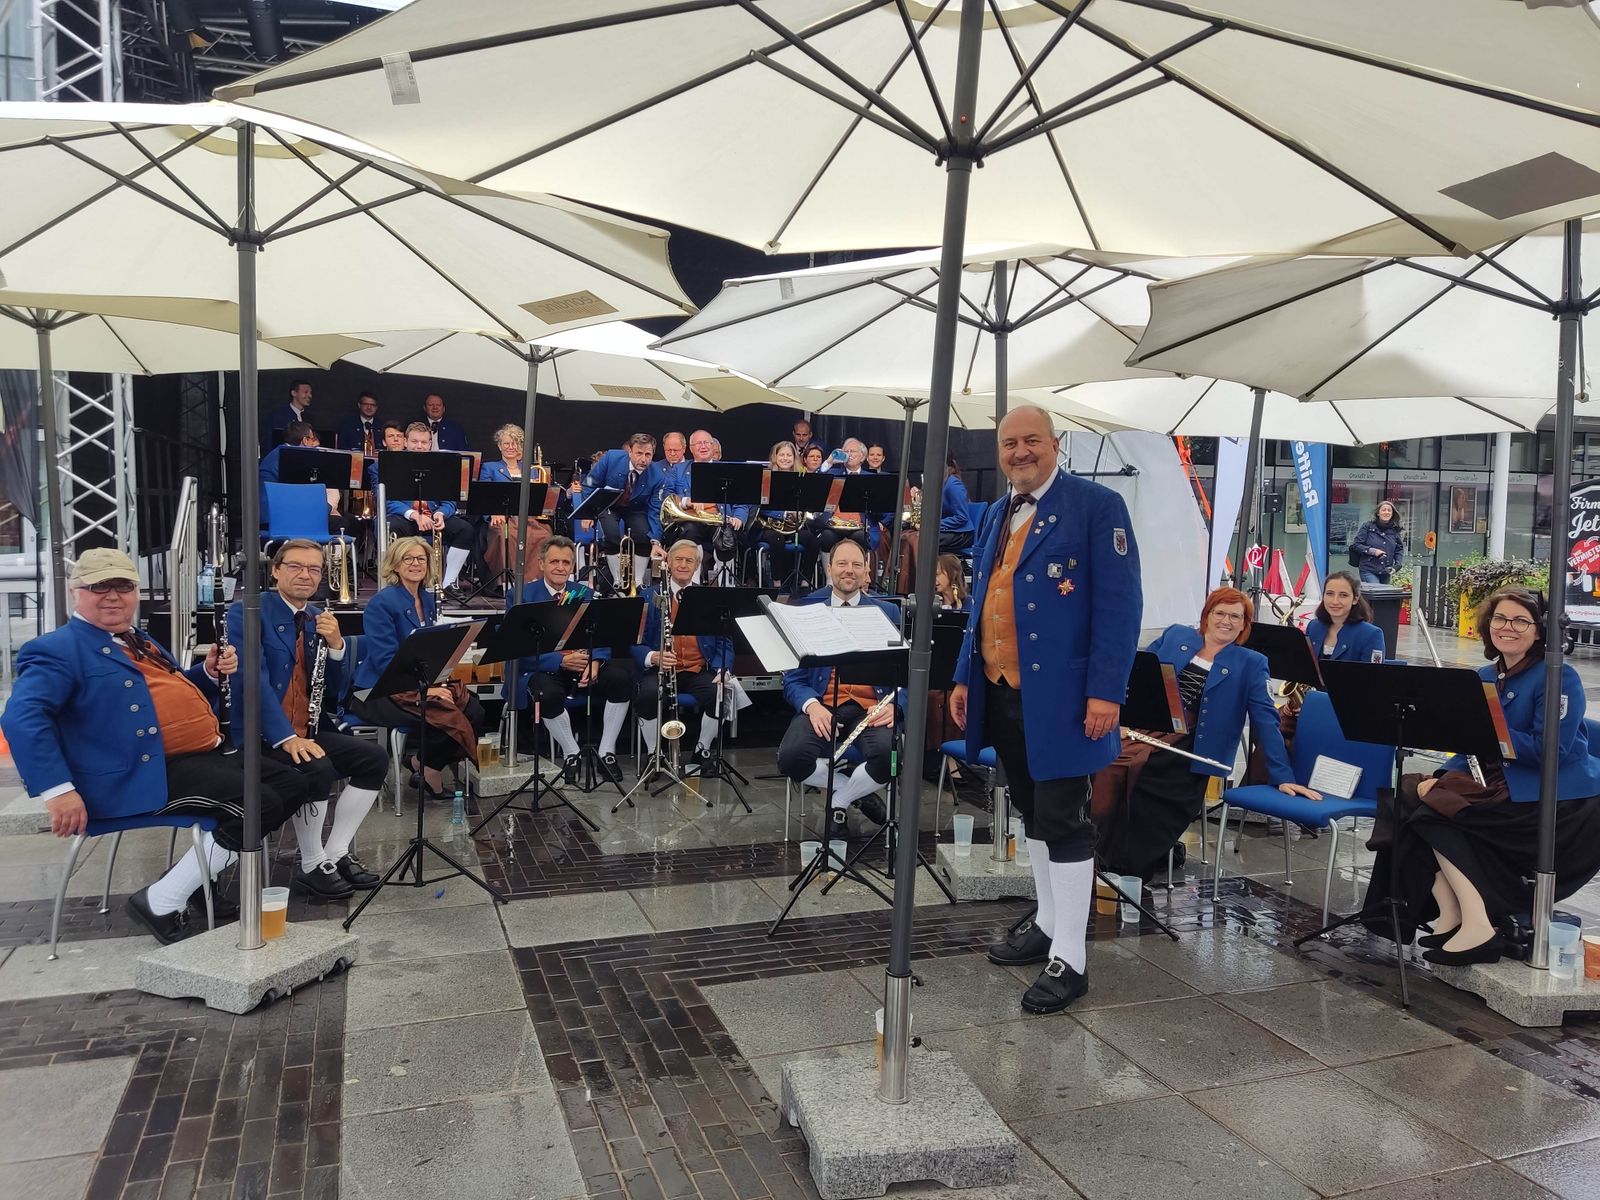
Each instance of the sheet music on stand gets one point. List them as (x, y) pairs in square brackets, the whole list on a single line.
[(802, 635)]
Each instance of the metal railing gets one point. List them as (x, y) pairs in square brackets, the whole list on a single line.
[(182, 565), (1439, 594)]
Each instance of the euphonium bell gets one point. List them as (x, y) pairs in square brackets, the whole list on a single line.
[(677, 509)]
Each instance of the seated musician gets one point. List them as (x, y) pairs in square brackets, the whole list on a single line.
[(824, 530), (300, 434), (778, 530), (291, 628), (420, 518), (698, 660), (104, 725), (633, 472), (1342, 627), (1144, 800), (402, 605), (955, 526), (550, 678), (1468, 851), (499, 533), (823, 704), (706, 520), (813, 458), (951, 596)]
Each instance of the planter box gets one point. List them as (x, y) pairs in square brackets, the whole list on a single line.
[(1465, 626)]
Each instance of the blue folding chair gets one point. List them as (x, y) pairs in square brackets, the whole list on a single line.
[(1317, 734), (298, 510)]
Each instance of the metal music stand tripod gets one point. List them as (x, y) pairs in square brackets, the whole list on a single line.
[(424, 660), (796, 493), (614, 624), (491, 499), (595, 504)]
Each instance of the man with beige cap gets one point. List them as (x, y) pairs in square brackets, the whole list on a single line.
[(103, 725)]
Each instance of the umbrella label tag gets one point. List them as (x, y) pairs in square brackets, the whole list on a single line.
[(401, 77), (1119, 541)]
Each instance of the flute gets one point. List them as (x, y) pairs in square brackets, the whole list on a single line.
[(1137, 736)]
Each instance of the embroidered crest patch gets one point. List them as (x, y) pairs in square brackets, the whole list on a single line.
[(1119, 541), (1067, 587)]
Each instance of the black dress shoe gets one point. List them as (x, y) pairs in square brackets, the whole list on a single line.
[(872, 809), (1484, 952), (224, 908), (700, 763), (1058, 985), (569, 768), (1432, 941), (1028, 945), (611, 768), (356, 875), (168, 928), (322, 882)]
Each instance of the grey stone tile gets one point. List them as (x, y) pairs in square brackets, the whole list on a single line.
[(1279, 1114), (1489, 1181), (699, 905), (403, 898), (794, 1012), (429, 933), (427, 989), (100, 965), (1029, 1068), (844, 897), (1336, 1023), (573, 918), (1035, 1181), (1222, 960), (1151, 1148), (1501, 1109), (48, 1179), (1195, 1043), (431, 1062), (1117, 976), (1565, 1171), (494, 1148), (956, 992), (65, 1109)]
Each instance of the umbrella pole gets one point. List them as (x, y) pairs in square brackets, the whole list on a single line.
[(1570, 315), (247, 244), (515, 591), (1247, 503), (1002, 335), (52, 475), (892, 1082), (910, 406)]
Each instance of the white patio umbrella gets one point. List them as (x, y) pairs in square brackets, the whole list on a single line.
[(1492, 323), (1147, 126), (184, 200)]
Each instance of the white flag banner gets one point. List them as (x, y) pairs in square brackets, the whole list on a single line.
[(1227, 493)]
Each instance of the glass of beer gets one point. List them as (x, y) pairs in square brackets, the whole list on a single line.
[(274, 911)]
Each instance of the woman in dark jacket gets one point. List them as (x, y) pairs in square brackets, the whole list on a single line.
[(1379, 547)]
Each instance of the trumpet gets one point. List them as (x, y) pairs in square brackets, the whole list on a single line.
[(627, 584)]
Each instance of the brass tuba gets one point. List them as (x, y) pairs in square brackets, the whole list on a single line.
[(676, 509)]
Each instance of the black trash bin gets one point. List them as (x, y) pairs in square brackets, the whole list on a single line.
[(1386, 600)]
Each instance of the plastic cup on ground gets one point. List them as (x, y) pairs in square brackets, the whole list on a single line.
[(808, 851), (1565, 951), (962, 824), (1591, 956), (1131, 886), (274, 911), (911, 1022), (838, 853)]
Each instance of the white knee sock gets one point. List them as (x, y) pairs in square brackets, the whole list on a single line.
[(819, 778), (307, 821), (560, 727), (172, 891), (647, 733), (349, 810), (858, 785), (1039, 859), (1072, 889), (611, 723), (455, 557), (708, 731), (614, 565)]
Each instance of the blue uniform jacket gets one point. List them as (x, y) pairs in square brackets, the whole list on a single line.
[(80, 713), (390, 618), (536, 592), (676, 480), (451, 435), (348, 435), (953, 514), (1358, 641), (611, 470), (808, 683), (279, 417), (718, 652), (1078, 604), (397, 508), (277, 666), (1235, 687), (1522, 698)]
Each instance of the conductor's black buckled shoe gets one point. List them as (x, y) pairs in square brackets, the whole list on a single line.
[(322, 882), (355, 874), (1028, 945), (167, 928), (1058, 985)]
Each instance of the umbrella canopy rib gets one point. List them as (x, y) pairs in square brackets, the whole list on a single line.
[(334, 185), (777, 380), (167, 173), (914, 43), (1069, 18)]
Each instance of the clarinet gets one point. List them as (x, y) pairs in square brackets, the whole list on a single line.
[(217, 527), (317, 687)]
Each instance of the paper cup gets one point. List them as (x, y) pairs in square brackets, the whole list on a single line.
[(274, 911)]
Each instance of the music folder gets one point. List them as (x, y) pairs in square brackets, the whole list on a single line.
[(1154, 703), (1289, 655), (787, 636), (428, 656)]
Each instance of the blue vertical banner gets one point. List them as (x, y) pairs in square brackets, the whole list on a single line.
[(1311, 472)]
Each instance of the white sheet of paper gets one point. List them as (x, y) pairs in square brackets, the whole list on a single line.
[(767, 643), (1334, 778), (813, 629), (869, 627)]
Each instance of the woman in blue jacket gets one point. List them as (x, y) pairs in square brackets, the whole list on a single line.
[(955, 525), (1142, 802), (1342, 628), (1379, 546), (1468, 848)]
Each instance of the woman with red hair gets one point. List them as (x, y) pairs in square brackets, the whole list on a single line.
[(1220, 684)]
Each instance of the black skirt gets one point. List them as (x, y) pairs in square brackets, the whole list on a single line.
[(1494, 845), (1165, 799)]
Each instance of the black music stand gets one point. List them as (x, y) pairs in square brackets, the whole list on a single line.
[(1433, 708), (527, 631), (425, 659), (1289, 655), (729, 485), (596, 502), (870, 495), (710, 612), (312, 464), (614, 624), (804, 494), (494, 499)]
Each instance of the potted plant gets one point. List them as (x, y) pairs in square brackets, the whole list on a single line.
[(1480, 576), (1402, 578)]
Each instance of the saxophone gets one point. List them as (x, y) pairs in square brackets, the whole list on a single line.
[(672, 726), (318, 686)]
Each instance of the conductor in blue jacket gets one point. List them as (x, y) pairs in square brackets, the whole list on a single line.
[(1041, 677), (1469, 849), (632, 471), (293, 630), (823, 705)]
